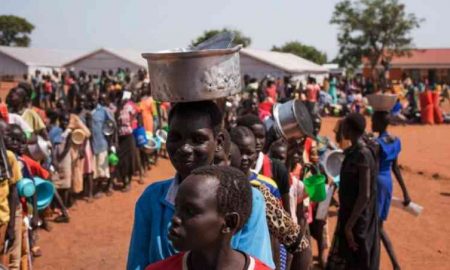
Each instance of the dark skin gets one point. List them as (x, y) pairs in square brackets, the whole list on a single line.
[(17, 104), (380, 125), (260, 139), (197, 226), (364, 189), (247, 148), (191, 142), (279, 152)]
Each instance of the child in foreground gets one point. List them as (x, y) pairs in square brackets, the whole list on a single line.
[(212, 204)]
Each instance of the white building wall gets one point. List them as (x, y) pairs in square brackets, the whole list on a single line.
[(11, 67), (102, 60)]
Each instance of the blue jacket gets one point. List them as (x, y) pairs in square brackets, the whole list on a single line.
[(153, 215)]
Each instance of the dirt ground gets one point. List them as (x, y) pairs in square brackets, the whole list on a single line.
[(98, 235)]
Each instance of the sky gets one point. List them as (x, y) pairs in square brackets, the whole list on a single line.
[(150, 25)]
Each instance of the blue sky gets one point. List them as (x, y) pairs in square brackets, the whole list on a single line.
[(151, 25)]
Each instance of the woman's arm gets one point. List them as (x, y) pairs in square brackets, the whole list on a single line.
[(60, 156), (360, 204), (401, 182)]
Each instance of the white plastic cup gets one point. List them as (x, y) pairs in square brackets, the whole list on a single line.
[(412, 208)]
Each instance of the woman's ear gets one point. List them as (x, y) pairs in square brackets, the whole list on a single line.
[(220, 140), (232, 222)]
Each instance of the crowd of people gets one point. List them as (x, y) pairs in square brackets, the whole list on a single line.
[(77, 132), (237, 200)]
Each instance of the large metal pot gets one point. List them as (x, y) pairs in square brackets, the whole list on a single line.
[(292, 120), (41, 150), (194, 75)]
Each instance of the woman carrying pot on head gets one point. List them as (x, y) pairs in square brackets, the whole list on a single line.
[(356, 239), (390, 148), (194, 137)]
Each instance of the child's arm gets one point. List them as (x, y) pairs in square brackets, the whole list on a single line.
[(63, 154)]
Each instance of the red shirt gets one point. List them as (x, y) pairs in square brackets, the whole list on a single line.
[(179, 262), (35, 167)]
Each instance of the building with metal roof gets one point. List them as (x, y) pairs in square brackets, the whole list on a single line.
[(260, 63), (432, 64), (107, 59), (17, 61)]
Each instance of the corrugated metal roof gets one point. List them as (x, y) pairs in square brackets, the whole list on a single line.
[(133, 56), (40, 57), (424, 57), (286, 61)]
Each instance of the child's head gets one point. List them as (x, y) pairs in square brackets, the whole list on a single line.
[(212, 204), (64, 119), (257, 127), (245, 140), (15, 139), (278, 150)]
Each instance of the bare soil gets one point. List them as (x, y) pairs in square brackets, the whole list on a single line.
[(98, 234)]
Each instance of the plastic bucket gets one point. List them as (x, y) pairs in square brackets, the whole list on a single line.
[(140, 136), (113, 159), (44, 191), (315, 187), (26, 187)]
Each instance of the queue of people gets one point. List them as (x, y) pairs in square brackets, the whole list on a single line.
[(188, 221), (238, 198), (78, 136)]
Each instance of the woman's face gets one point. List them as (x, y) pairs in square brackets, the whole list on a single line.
[(246, 145), (260, 136), (191, 142), (196, 223)]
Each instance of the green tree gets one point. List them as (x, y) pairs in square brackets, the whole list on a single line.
[(239, 37), (304, 51), (373, 30), (14, 31)]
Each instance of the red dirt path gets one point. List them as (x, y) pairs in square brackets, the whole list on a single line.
[(98, 235)]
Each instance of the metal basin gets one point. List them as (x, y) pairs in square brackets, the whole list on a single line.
[(292, 120), (194, 75), (41, 150), (332, 162)]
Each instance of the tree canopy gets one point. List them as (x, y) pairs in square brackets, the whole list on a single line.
[(304, 51), (14, 31), (374, 30), (239, 37)]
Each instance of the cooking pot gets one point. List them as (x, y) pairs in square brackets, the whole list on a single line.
[(292, 120), (185, 76)]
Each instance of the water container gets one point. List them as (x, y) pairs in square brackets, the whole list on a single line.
[(26, 188), (44, 191), (315, 187), (140, 136), (412, 208)]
